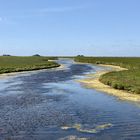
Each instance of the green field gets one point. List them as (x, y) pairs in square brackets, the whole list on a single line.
[(17, 64), (124, 80)]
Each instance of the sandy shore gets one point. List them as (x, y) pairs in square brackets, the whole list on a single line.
[(92, 81)]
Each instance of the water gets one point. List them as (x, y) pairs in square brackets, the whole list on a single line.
[(51, 105)]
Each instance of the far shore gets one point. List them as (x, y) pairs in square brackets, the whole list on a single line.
[(92, 81)]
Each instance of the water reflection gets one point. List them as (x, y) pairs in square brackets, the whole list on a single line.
[(51, 105)]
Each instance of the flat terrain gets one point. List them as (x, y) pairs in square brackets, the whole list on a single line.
[(128, 80), (10, 64)]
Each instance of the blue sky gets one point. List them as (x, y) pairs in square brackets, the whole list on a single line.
[(70, 27)]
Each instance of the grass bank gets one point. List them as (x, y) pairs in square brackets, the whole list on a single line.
[(127, 80), (9, 64)]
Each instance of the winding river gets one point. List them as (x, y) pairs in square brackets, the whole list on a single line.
[(52, 105)]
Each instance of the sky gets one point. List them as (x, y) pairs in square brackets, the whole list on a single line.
[(70, 27)]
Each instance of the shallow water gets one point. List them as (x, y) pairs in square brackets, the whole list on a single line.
[(51, 105)]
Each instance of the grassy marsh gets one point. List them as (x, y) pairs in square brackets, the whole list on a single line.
[(128, 80), (10, 64)]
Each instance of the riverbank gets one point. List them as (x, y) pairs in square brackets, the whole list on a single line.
[(4, 75), (127, 80), (92, 81), (11, 65)]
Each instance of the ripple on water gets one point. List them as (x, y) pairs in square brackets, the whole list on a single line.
[(73, 138), (35, 106)]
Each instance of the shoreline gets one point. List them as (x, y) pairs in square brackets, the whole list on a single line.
[(5, 75), (92, 81)]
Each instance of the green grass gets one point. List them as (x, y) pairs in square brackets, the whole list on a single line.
[(10, 64), (124, 80)]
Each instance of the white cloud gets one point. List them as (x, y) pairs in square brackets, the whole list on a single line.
[(61, 9), (7, 21), (1, 18)]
